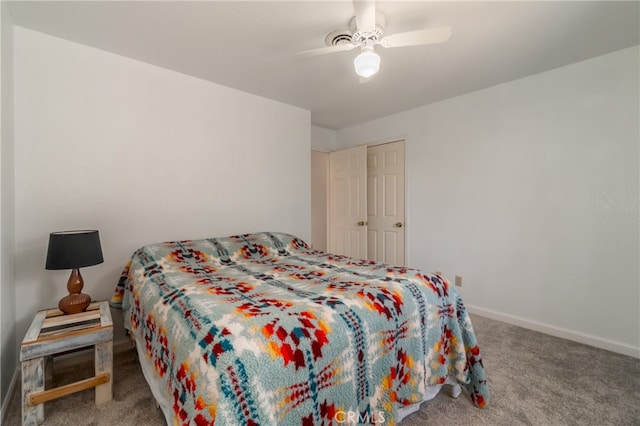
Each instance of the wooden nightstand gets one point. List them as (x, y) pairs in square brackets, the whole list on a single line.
[(52, 333)]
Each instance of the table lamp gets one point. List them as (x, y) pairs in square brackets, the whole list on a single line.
[(74, 250)]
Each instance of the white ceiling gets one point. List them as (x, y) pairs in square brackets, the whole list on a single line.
[(249, 45)]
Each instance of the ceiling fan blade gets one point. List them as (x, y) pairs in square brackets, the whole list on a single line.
[(414, 38), (365, 12), (324, 50)]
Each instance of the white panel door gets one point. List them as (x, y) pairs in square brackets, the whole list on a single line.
[(348, 202), (385, 203)]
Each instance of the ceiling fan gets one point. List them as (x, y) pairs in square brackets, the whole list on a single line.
[(366, 31)]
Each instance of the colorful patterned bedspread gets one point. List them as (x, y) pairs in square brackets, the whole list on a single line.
[(259, 329)]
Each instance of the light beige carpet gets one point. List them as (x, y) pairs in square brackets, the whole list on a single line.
[(534, 379)]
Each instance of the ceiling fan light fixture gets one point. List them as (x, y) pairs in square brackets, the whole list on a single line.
[(367, 63)]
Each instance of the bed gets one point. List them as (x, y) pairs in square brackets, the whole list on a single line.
[(260, 329)]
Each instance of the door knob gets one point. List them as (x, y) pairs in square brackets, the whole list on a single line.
[(398, 225), (361, 223)]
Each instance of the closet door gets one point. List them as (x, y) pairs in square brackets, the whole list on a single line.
[(385, 203), (348, 202)]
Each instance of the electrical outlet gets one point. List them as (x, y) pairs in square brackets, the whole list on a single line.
[(458, 281)]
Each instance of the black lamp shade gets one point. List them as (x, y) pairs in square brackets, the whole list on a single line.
[(73, 249)]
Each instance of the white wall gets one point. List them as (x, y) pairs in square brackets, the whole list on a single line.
[(8, 357), (529, 190), (144, 155), (323, 139)]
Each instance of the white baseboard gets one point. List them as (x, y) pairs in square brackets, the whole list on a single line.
[(7, 399), (552, 330)]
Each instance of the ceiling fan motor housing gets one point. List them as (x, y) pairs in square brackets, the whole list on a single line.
[(354, 36), (357, 37)]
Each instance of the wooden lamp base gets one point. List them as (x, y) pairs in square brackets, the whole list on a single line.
[(76, 301)]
